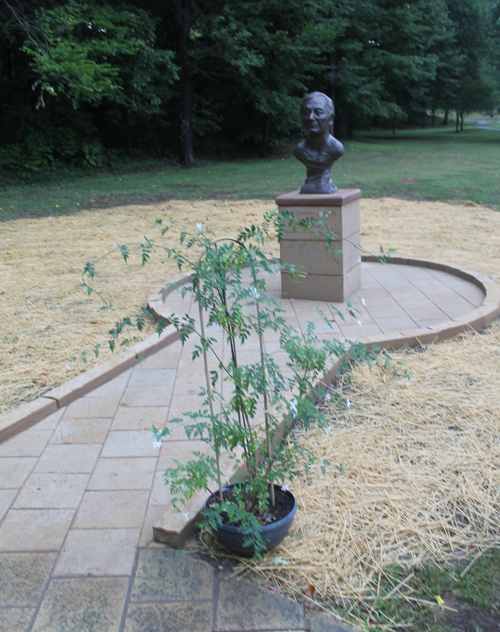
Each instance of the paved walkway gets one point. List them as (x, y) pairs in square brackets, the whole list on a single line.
[(81, 490), (484, 124)]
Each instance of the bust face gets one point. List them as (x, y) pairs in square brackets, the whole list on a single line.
[(315, 115)]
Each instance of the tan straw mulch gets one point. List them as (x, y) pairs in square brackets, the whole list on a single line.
[(413, 476), (48, 319), (414, 472)]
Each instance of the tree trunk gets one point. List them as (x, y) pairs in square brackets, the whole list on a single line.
[(129, 131), (341, 128), (456, 122), (269, 115), (2, 105), (423, 120), (445, 119), (265, 136), (182, 14), (461, 121), (433, 118), (333, 59)]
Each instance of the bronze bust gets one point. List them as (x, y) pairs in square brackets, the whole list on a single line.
[(320, 149)]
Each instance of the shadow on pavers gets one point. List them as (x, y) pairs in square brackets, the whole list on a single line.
[(176, 590)]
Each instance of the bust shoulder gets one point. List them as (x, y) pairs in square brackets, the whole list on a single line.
[(300, 149), (335, 146)]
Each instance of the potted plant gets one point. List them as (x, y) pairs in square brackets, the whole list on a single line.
[(228, 282), (227, 277)]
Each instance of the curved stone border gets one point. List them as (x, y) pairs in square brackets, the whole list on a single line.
[(29, 414), (172, 529), (156, 300), (475, 320)]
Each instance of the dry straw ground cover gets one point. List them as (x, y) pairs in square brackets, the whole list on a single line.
[(414, 471), (414, 477), (47, 318)]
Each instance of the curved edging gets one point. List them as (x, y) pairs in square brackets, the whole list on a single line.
[(173, 528), (156, 300), (31, 413), (475, 320)]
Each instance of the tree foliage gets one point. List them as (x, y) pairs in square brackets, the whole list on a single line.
[(81, 80)]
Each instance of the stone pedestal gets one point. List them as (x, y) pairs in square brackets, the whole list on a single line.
[(332, 273)]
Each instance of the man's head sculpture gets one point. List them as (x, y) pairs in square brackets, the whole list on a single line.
[(319, 150)]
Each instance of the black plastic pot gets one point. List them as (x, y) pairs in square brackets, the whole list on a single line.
[(232, 538)]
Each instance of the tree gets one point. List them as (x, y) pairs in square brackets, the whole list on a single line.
[(383, 63), (474, 85), (90, 53)]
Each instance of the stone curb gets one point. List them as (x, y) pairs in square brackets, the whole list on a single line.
[(473, 321), (173, 528), (29, 414), (25, 416)]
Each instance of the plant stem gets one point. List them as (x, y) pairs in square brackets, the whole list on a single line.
[(209, 394), (264, 394)]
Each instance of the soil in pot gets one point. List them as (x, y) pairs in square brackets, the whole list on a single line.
[(275, 522)]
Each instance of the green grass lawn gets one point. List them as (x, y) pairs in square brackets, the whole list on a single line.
[(433, 164), (470, 598)]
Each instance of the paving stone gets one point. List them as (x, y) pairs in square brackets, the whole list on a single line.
[(122, 443), (463, 288), (112, 510), (160, 492), (15, 619), (180, 404), (329, 624), (180, 451), (396, 324), (34, 529), (165, 359), (90, 604), (50, 422), (70, 459), (14, 471), (6, 498), (113, 387), (92, 407), (244, 605), (140, 417), (98, 552), (153, 513), (172, 617), (30, 442), (177, 430), (147, 395), (23, 577), (456, 308), (167, 575), (152, 377), (123, 473), (52, 491), (81, 431), (354, 332)]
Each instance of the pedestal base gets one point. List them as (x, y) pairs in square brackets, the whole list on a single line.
[(333, 272)]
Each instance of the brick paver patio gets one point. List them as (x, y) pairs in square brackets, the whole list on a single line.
[(81, 490)]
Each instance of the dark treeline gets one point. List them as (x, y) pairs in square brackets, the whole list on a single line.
[(84, 82)]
